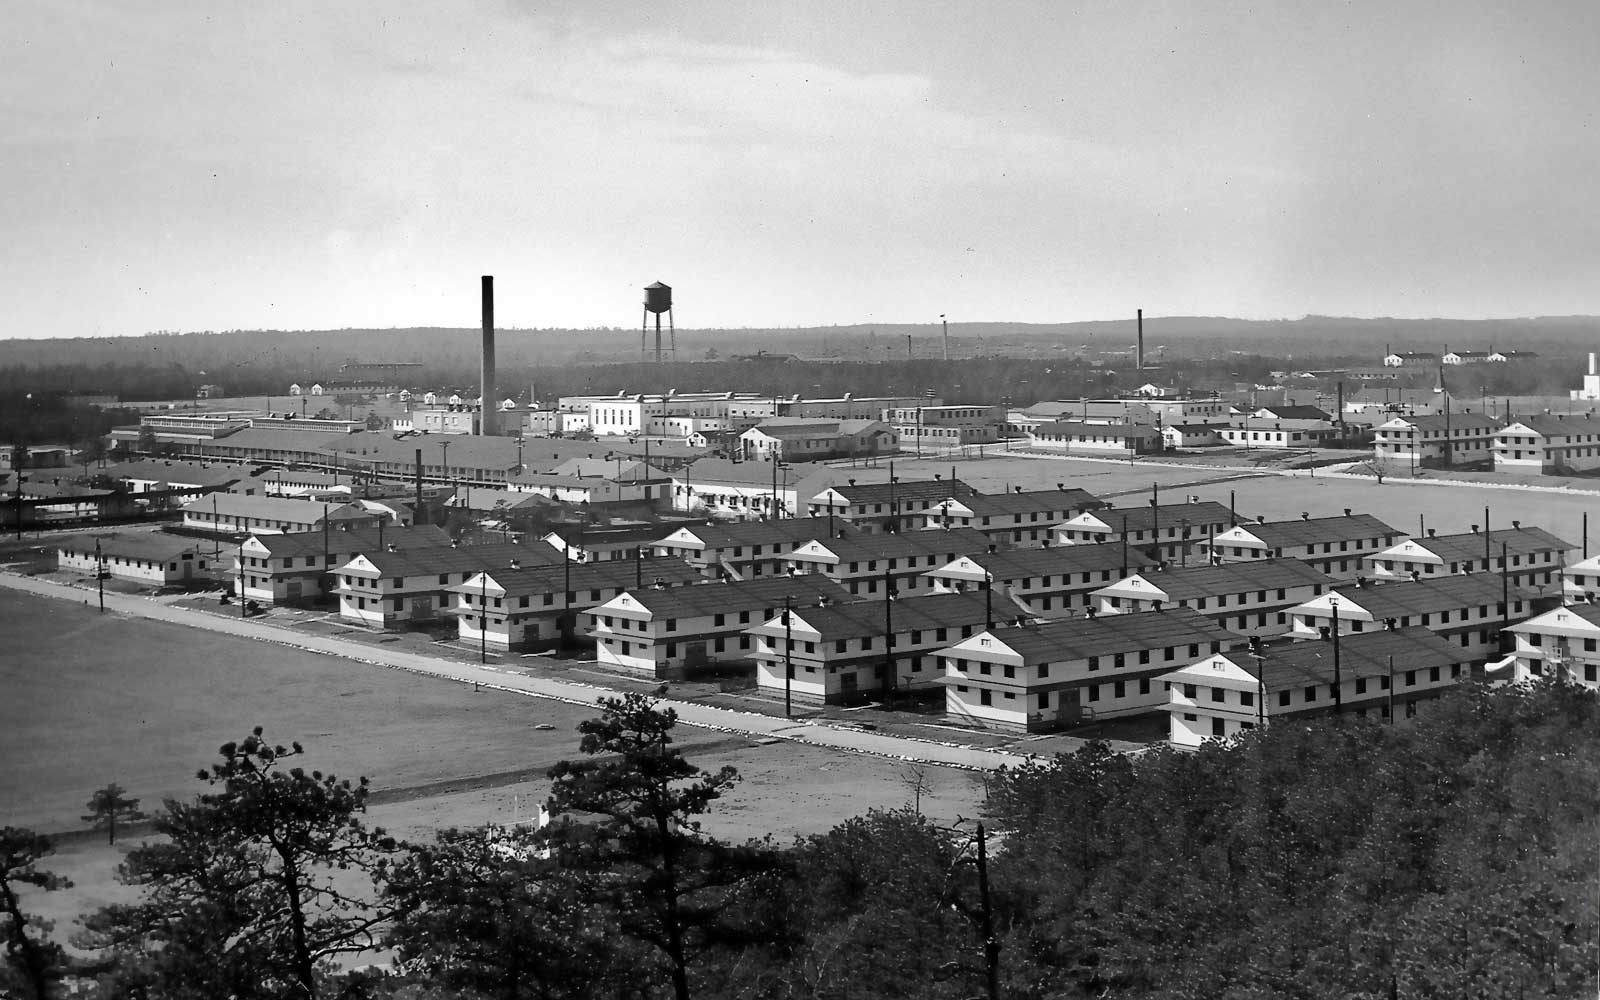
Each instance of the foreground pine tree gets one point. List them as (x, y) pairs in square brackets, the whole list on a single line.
[(242, 896)]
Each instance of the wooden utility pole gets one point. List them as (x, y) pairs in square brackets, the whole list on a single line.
[(788, 662), (888, 631), (991, 943)]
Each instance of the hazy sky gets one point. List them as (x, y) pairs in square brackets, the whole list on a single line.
[(220, 165)]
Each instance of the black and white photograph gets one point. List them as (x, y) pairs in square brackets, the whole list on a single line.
[(585, 500)]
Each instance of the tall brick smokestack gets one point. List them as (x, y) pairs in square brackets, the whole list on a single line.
[(487, 411), (1140, 359)]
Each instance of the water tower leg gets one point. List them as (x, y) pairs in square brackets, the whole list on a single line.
[(658, 338), (644, 328), (674, 332)]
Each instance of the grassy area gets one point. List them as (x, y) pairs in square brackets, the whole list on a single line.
[(92, 699)]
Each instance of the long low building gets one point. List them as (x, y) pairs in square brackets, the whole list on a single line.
[(1040, 677), (234, 514), (1469, 611), (747, 491), (1250, 598), (1548, 445), (842, 652), (532, 607), (144, 557), (742, 550), (867, 564), (1116, 440), (658, 632), (392, 587), (1017, 518), (891, 506), (46, 504), (1529, 557), (1050, 581), (1334, 545), (1166, 530), (1382, 674), (278, 568)]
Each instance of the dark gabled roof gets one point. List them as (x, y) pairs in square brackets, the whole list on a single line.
[(465, 451), (855, 425), (270, 438), (481, 499), (298, 543), (797, 427), (296, 477), (1001, 504), (733, 534), (931, 490), (1469, 545), (148, 546), (1294, 412), (1426, 596), (1554, 425), (274, 508), (423, 560), (956, 541), (908, 614), (712, 471), (557, 479), (1455, 422), (1070, 427), (763, 593), (1318, 530), (1143, 518), (1588, 612), (1181, 584), (1079, 638), (589, 576), (638, 534), (1301, 663), (166, 471), (64, 491), (1021, 564)]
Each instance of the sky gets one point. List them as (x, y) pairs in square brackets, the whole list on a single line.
[(228, 165)]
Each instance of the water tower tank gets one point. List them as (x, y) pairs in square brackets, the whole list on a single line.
[(657, 298)]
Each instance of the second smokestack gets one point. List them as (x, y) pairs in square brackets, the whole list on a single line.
[(1140, 348), (487, 410)]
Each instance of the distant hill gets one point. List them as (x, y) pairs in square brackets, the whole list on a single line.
[(177, 362)]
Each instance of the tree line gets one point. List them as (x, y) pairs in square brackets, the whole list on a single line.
[(1454, 856)]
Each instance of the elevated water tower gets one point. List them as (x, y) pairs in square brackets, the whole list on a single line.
[(658, 300)]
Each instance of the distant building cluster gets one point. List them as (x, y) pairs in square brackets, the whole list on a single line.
[(1426, 359), (679, 532), (1029, 610)]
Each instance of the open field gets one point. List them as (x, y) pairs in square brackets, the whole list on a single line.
[(92, 699)]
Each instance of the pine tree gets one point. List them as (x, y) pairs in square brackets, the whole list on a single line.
[(241, 893), (33, 964), (107, 805), (664, 882)]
